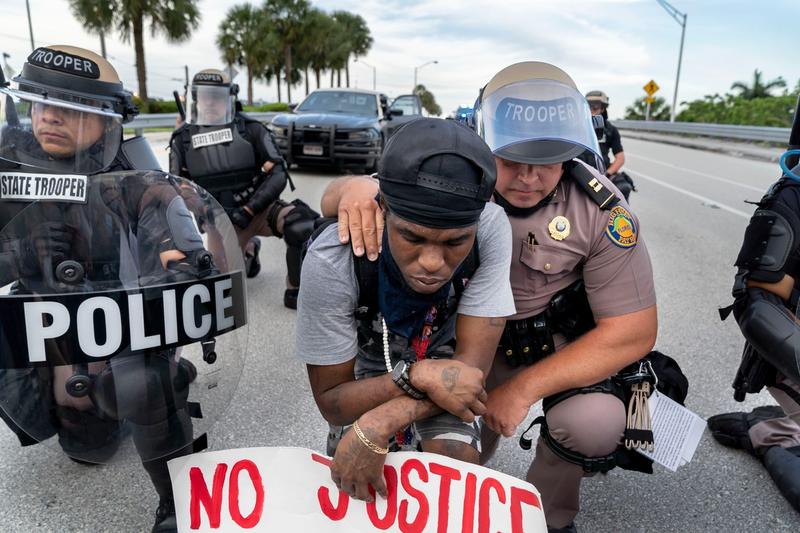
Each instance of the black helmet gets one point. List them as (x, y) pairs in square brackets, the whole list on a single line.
[(213, 98), (597, 97), (64, 112)]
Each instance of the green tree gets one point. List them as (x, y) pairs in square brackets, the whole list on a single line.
[(428, 101), (758, 88), (359, 40), (287, 18), (313, 50), (659, 110), (175, 19), (245, 39)]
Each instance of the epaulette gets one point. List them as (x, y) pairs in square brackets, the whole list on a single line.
[(588, 182)]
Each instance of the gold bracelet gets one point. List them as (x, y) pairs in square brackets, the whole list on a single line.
[(368, 443)]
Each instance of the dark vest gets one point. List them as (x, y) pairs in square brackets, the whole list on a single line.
[(229, 166)]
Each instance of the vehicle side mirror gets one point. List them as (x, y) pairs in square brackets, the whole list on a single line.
[(396, 112), (292, 107)]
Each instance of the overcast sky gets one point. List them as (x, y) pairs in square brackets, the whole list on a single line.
[(613, 45)]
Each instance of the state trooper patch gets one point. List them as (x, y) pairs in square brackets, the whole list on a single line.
[(621, 229)]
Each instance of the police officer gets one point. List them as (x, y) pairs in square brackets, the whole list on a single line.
[(236, 159), (610, 141), (75, 221), (581, 277), (765, 307)]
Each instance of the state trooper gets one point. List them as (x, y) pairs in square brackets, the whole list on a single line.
[(610, 141), (84, 236), (236, 159), (765, 307), (580, 274)]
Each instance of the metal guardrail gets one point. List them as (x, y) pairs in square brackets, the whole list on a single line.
[(723, 131), (167, 120)]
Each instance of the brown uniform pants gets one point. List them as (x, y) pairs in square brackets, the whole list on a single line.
[(590, 424), (784, 432)]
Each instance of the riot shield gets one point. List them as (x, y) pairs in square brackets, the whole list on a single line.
[(123, 314)]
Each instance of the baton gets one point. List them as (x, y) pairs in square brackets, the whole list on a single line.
[(178, 102)]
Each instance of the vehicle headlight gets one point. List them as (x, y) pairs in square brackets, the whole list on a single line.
[(363, 135), (280, 131)]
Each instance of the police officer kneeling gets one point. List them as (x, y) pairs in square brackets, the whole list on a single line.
[(78, 219), (236, 159)]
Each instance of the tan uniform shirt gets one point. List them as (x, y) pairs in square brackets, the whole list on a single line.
[(605, 248)]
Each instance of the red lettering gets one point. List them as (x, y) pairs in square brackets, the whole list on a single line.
[(198, 494), (233, 495), (422, 516), (324, 495), (468, 518), (483, 502), (518, 497), (391, 501), (447, 475)]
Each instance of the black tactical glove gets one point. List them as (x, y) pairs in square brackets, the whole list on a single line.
[(241, 217)]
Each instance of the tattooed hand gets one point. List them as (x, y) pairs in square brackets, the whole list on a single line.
[(355, 467), (455, 387)]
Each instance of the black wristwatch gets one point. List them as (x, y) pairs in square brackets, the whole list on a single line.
[(400, 376)]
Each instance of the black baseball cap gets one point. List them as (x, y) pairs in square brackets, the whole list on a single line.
[(437, 173)]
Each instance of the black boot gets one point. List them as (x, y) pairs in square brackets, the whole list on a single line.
[(783, 464), (252, 262), (733, 429), (290, 298), (166, 522)]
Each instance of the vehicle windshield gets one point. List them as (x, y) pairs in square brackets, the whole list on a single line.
[(340, 102)]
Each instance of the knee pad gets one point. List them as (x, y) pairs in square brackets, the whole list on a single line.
[(299, 223), (273, 211), (88, 435)]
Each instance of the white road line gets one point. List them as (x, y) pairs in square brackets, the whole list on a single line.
[(692, 195), (710, 176)]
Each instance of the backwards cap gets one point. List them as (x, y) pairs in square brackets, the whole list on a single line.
[(437, 173)]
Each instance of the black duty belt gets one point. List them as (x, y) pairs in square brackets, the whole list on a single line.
[(529, 340)]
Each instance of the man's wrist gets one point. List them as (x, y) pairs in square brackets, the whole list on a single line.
[(402, 378)]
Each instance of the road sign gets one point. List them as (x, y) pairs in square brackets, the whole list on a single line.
[(651, 87), (649, 99)]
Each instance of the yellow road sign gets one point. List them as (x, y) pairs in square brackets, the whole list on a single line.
[(649, 99), (651, 87)]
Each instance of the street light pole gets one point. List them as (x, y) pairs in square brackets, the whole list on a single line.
[(680, 18), (374, 75), (419, 67), (30, 24)]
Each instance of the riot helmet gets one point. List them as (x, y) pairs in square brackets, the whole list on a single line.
[(598, 103), (532, 112), (213, 98), (64, 112)]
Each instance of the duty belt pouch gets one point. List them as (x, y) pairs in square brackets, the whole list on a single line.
[(526, 341), (753, 374), (569, 311)]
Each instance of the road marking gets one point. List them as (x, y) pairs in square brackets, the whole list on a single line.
[(696, 196), (711, 176)]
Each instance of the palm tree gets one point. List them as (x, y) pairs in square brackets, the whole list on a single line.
[(314, 48), (355, 29), (176, 19), (659, 110), (758, 89), (287, 19), (428, 100), (245, 39)]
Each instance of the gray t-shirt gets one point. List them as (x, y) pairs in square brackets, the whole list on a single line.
[(326, 324)]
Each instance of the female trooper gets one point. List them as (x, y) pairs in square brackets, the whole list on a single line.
[(75, 222), (236, 159), (580, 274)]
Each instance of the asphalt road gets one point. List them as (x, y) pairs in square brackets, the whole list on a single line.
[(692, 212)]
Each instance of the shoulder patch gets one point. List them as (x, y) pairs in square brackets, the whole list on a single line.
[(621, 228)]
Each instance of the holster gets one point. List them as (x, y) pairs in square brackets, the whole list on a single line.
[(753, 374)]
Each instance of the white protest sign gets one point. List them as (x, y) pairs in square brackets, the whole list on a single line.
[(290, 489)]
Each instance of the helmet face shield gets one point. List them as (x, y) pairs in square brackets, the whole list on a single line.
[(211, 105), (538, 122), (54, 134)]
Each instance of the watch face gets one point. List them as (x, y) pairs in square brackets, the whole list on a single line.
[(397, 371)]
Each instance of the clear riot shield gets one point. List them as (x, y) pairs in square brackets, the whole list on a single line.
[(124, 317)]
